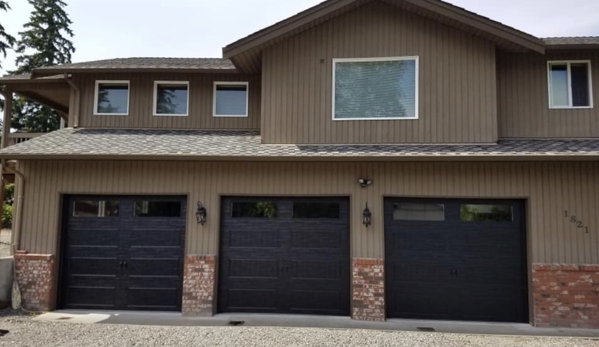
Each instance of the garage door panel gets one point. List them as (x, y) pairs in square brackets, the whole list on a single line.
[(273, 264), (470, 266), (115, 252)]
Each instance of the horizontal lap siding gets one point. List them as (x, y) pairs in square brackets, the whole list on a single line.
[(524, 98), (457, 86), (551, 188), (141, 101)]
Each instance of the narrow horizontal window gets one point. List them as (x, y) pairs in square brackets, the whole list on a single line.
[(261, 209), (231, 99), (487, 213), (570, 85), (147, 208), (112, 98), (171, 98), (408, 211), (370, 89), (316, 210), (95, 208)]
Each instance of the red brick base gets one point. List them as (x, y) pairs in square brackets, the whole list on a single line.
[(368, 289), (35, 275), (566, 295), (199, 285)]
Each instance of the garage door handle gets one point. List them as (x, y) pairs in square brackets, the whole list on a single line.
[(126, 265), (121, 264)]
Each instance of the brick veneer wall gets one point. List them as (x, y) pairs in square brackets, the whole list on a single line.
[(199, 285), (368, 289), (35, 275), (566, 295)]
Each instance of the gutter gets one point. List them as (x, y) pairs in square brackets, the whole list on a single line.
[(77, 101), (21, 193)]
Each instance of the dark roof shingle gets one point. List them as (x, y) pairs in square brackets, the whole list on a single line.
[(568, 41), (200, 144)]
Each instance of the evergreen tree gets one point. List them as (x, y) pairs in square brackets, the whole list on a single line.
[(44, 42), (6, 41)]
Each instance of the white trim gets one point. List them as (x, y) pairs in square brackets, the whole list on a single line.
[(96, 90), (155, 102), (232, 83), (416, 59), (568, 64)]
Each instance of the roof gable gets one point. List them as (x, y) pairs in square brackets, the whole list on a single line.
[(246, 53)]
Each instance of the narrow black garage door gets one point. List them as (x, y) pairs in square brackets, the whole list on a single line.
[(456, 260), (285, 256), (123, 252)]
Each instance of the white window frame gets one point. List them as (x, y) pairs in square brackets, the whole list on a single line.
[(416, 59), (97, 90), (231, 83), (569, 63), (155, 103)]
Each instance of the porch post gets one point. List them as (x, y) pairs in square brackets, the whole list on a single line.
[(7, 117)]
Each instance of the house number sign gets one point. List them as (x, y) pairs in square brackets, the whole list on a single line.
[(579, 223)]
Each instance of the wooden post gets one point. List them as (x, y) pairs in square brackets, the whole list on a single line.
[(7, 117)]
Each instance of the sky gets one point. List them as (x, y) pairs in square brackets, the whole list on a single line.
[(107, 29)]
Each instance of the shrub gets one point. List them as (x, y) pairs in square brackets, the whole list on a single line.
[(7, 216)]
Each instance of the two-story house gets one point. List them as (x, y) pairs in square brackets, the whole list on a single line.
[(372, 159)]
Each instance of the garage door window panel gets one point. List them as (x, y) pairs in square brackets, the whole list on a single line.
[(487, 213), (262, 209), (95, 208), (147, 208), (408, 211)]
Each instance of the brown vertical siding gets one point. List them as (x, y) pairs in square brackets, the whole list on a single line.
[(141, 100), (550, 189), (457, 85), (524, 98)]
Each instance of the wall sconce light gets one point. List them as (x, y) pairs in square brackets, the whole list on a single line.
[(364, 182), (367, 217), (201, 213)]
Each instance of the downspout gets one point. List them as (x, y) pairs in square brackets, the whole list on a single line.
[(75, 113), (20, 197)]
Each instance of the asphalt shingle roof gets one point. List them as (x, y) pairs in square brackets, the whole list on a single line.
[(565, 41), (198, 144), (148, 63)]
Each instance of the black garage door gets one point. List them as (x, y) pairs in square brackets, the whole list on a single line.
[(285, 256), (123, 252), (456, 260)]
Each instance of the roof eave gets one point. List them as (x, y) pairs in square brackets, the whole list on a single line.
[(573, 47), (518, 37), (55, 71)]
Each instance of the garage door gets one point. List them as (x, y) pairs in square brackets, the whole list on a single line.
[(123, 253), (285, 256), (456, 260)]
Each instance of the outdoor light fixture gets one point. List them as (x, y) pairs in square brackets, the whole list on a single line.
[(364, 182), (367, 215), (201, 213)]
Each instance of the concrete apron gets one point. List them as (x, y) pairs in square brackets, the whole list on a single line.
[(304, 321)]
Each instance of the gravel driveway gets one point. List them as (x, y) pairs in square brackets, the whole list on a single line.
[(25, 332)]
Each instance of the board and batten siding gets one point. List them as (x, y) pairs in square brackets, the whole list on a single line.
[(457, 84), (141, 101), (524, 98), (549, 188)]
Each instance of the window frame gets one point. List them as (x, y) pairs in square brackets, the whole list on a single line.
[(96, 99), (155, 102), (416, 60), (231, 83), (568, 64)]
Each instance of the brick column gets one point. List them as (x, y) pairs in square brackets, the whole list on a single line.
[(35, 275), (566, 295), (368, 289), (199, 285)]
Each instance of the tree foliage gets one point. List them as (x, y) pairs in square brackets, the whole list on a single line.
[(7, 41), (44, 42)]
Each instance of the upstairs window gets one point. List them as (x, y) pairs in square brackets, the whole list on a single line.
[(171, 98), (570, 84), (111, 98), (231, 99), (375, 88)]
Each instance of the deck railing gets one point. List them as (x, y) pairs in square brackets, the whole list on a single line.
[(15, 138)]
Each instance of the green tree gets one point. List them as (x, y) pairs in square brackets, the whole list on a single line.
[(7, 41), (44, 42)]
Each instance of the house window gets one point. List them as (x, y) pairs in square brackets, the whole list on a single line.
[(111, 98), (231, 99), (570, 84), (171, 98), (375, 88)]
